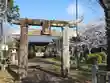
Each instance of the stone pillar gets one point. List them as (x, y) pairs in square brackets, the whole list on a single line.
[(66, 55), (13, 55), (94, 73)]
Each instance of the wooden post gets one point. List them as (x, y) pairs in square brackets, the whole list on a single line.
[(23, 51)]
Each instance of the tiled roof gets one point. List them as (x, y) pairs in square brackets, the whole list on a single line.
[(35, 36), (38, 38), (43, 38), (37, 32)]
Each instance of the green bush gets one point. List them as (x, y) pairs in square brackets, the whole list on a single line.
[(103, 55), (98, 56)]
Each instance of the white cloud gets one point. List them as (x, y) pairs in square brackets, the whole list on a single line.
[(71, 9)]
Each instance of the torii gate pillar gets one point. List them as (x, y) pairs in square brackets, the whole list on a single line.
[(66, 55), (23, 50)]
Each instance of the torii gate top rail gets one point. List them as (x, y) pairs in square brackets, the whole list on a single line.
[(38, 22)]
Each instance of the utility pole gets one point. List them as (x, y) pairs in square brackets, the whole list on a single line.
[(77, 55), (76, 17), (23, 51)]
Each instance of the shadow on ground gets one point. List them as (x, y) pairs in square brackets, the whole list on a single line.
[(44, 61), (37, 74), (40, 75), (12, 73), (82, 76), (55, 63)]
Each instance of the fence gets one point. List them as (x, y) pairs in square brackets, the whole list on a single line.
[(100, 76)]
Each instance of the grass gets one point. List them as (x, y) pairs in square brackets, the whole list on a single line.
[(55, 68), (54, 59), (81, 74)]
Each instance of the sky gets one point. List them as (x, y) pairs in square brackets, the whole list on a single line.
[(60, 9)]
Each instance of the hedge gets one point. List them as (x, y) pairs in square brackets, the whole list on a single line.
[(100, 57)]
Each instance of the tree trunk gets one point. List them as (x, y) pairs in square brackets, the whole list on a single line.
[(77, 60), (23, 52), (107, 18)]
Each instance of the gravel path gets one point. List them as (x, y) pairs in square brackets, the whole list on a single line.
[(37, 76)]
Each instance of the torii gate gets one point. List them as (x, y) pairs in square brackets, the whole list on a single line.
[(46, 30)]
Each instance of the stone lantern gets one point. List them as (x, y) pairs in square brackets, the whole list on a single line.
[(13, 56)]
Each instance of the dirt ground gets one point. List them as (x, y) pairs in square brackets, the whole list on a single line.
[(5, 77)]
